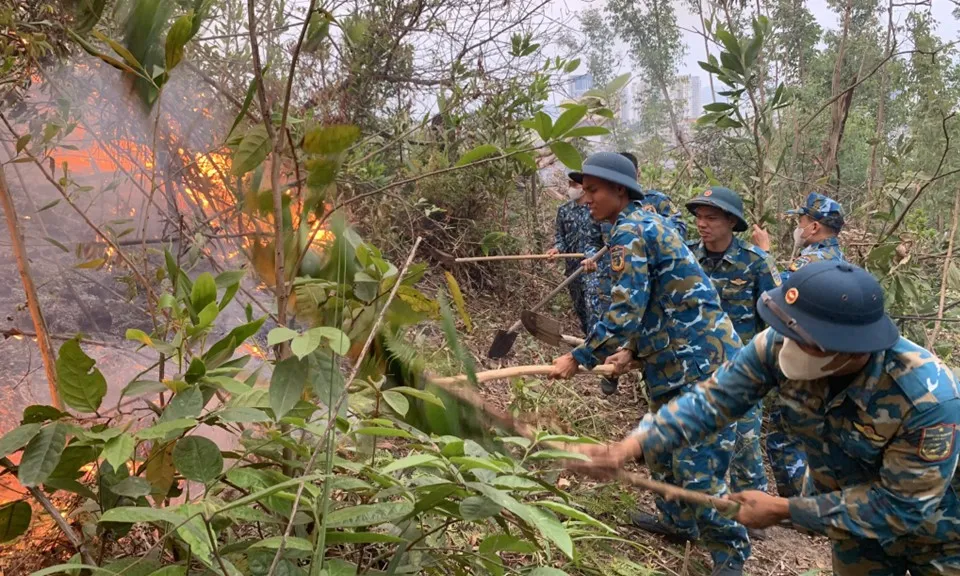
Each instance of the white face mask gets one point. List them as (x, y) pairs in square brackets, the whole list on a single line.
[(798, 238), (574, 193), (798, 365)]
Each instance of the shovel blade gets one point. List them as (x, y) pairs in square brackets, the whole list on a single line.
[(542, 327), (502, 344)]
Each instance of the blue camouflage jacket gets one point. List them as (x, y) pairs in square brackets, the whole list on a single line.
[(744, 273), (576, 232), (829, 249), (662, 306), (882, 452)]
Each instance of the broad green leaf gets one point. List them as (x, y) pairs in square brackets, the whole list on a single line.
[(139, 336), (548, 527), (410, 461), (336, 339), (566, 153), (305, 343), (247, 99), (425, 396), (81, 384), (558, 455), (172, 570), (161, 429), (718, 107), (231, 385), (14, 520), (478, 507), (570, 118), (571, 512), (18, 438), (129, 58), (368, 514), (252, 151), (586, 131), (178, 36), (186, 404), (40, 413), (526, 159), (571, 65), (397, 401), (280, 334), (544, 125), (22, 142), (243, 415), (515, 483), (292, 543), (546, 571), (204, 291), (618, 83), (118, 450), (469, 462), (225, 347), (198, 459), (332, 139), (143, 387), (286, 385), (134, 514), (42, 454), (132, 487), (480, 152), (383, 432), (729, 42), (361, 538), (506, 543)]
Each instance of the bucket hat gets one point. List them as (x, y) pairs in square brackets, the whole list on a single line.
[(833, 305), (613, 168), (723, 198)]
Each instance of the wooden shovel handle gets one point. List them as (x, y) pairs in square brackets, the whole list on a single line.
[(516, 371), (518, 257), (516, 326)]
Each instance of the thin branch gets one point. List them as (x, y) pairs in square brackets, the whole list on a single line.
[(946, 272)]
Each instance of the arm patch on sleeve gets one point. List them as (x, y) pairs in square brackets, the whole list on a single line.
[(618, 258), (936, 442)]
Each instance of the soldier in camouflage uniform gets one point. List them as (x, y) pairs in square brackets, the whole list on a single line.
[(652, 201), (820, 220), (740, 272), (876, 414), (576, 232), (665, 312)]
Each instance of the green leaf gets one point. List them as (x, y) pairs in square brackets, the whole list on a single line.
[(292, 543), (547, 571), (81, 384), (178, 36), (198, 459), (729, 42), (118, 450), (480, 152), (280, 334), (368, 514), (14, 520), (408, 462), (568, 120), (470, 462), (361, 538), (586, 131), (332, 139), (139, 336), (305, 343), (243, 415), (172, 570), (526, 159), (134, 514), (604, 112), (544, 125), (132, 487), (618, 83), (39, 413), (422, 395), (143, 387), (22, 142), (558, 455), (548, 527), (42, 454), (570, 512), (286, 385), (718, 107), (753, 50), (383, 432), (506, 543), (571, 65), (161, 429), (186, 404), (336, 339), (398, 402), (225, 347), (252, 151), (18, 438), (129, 58), (55, 242), (566, 153), (478, 507), (204, 291)]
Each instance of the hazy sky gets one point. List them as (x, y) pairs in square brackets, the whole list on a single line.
[(561, 10)]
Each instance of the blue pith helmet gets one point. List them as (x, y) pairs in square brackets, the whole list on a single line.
[(823, 209), (613, 168), (835, 304), (723, 198)]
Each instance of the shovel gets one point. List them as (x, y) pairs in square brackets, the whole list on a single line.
[(448, 259), (503, 341), (547, 329)]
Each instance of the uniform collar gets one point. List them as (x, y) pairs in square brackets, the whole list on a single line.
[(828, 243), (632, 208), (731, 254), (863, 387)]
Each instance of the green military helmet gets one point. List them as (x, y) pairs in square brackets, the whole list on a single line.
[(723, 198), (613, 168)]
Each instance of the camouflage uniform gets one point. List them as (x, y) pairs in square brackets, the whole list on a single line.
[(743, 273), (786, 458), (665, 309), (576, 232), (882, 451)]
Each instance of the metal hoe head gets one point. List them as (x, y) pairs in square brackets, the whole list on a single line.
[(502, 344), (542, 327)]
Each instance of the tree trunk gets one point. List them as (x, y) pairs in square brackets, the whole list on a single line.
[(841, 106), (946, 272), (881, 106), (33, 302)]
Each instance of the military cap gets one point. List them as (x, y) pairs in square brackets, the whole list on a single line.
[(723, 198), (613, 168), (825, 210), (831, 304)]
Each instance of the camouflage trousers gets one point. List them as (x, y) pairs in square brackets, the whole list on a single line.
[(702, 468), (854, 557), (786, 456), (746, 466), (584, 292)]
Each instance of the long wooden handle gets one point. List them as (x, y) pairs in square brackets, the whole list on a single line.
[(508, 422), (571, 340), (516, 326), (516, 371), (519, 257)]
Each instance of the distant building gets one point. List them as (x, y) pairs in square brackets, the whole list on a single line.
[(577, 85), (696, 104)]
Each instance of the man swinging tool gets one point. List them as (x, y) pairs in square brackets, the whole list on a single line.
[(666, 311), (740, 272), (875, 413)]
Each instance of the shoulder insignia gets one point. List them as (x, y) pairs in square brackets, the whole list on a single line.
[(774, 272), (936, 442), (799, 263), (868, 432), (618, 258), (738, 281)]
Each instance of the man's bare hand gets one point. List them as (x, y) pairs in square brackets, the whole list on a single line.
[(605, 459), (565, 367), (622, 362), (761, 238), (589, 265), (759, 509)]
